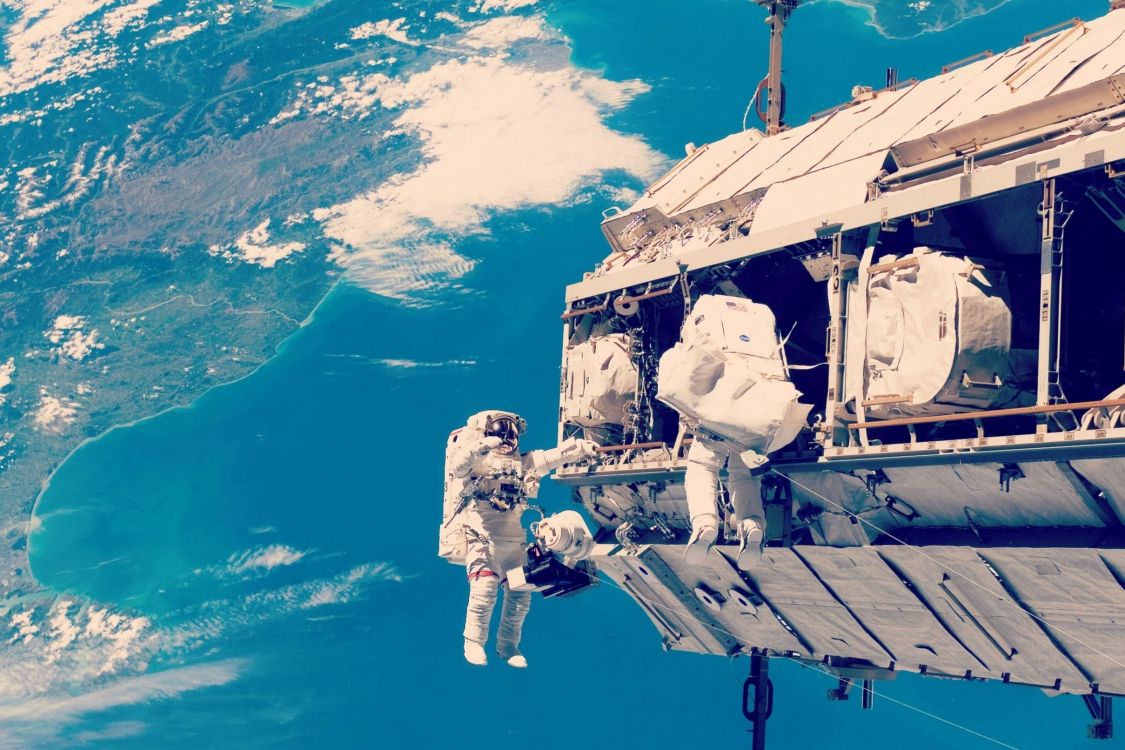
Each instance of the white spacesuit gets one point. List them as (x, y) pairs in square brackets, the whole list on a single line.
[(705, 460), (490, 480), (728, 379)]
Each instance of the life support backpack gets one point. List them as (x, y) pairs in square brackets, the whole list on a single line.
[(728, 375), (452, 544)]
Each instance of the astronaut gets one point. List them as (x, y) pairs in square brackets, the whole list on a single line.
[(488, 482), (728, 379), (705, 459)]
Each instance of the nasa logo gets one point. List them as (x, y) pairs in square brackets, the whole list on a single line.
[(744, 337)]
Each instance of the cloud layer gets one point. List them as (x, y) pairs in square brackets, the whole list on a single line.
[(501, 122)]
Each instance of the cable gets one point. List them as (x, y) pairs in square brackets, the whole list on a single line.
[(1005, 598), (716, 628), (912, 708)]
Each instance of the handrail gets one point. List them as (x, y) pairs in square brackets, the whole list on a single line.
[(970, 415), (583, 311), (966, 60), (637, 446), (1074, 22), (625, 298), (898, 86)]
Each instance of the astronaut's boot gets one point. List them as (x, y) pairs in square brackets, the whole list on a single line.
[(474, 654), (514, 612), (704, 532), (750, 541), (482, 600)]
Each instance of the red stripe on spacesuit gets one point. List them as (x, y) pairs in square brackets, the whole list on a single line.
[(481, 574)]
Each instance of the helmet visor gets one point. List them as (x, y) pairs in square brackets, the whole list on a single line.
[(506, 429)]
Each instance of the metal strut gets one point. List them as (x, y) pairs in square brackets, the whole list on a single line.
[(757, 698), (779, 11), (1101, 709), (1054, 215), (777, 504), (844, 687)]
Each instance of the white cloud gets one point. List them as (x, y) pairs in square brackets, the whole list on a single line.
[(353, 97), (215, 619), (177, 34), (79, 180), (71, 342), (54, 414), (495, 136), (394, 30), (46, 44), (24, 628), (56, 105), (114, 730), (253, 246), (119, 632), (79, 345), (63, 630), (263, 559), (7, 369), (411, 364), (64, 645), (124, 692), (126, 16), (64, 323), (65, 658), (57, 644), (51, 41), (488, 6), (340, 590), (495, 132), (503, 32)]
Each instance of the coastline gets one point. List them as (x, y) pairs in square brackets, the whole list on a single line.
[(872, 17), (46, 484)]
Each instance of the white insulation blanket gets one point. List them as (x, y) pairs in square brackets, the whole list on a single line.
[(937, 331), (601, 380)]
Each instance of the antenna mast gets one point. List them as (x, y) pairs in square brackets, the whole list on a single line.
[(774, 111)]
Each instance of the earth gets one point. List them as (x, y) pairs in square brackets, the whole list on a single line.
[(257, 259)]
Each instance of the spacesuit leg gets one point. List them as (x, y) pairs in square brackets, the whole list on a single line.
[(510, 554), (512, 615), (701, 485), (746, 498), (745, 490), (484, 584)]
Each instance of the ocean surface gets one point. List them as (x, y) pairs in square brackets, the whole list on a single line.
[(263, 560)]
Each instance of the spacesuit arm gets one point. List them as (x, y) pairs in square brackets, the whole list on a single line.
[(569, 451), (465, 457)]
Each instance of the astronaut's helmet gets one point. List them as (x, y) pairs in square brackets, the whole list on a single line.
[(506, 425)]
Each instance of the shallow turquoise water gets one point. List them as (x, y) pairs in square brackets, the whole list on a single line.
[(333, 449)]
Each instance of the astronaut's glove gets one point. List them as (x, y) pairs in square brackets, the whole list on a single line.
[(588, 449), (488, 444)]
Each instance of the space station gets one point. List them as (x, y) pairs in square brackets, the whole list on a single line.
[(908, 316)]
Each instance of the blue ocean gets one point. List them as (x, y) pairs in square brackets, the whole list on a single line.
[(259, 566)]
